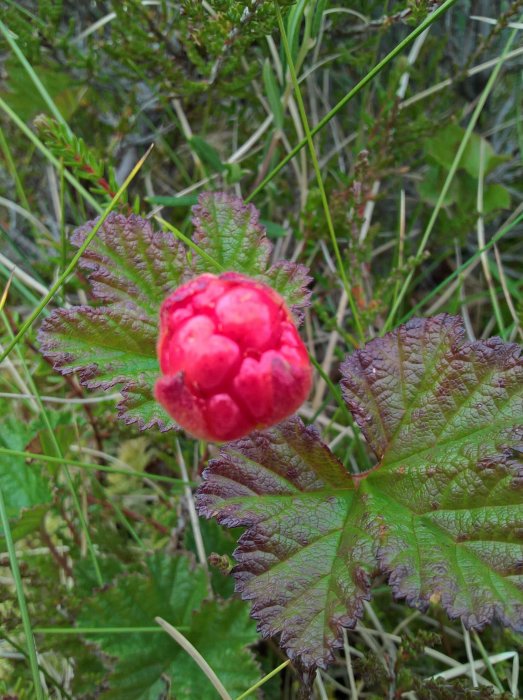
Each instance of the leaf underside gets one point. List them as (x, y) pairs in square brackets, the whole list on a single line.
[(132, 269), (441, 513)]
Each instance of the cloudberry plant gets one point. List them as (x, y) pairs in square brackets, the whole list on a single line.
[(440, 512)]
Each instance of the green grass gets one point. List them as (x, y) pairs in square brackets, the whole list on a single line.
[(327, 83)]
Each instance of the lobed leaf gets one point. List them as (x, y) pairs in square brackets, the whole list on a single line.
[(138, 406), (129, 263), (445, 418), (222, 633), (441, 512), (443, 145), (132, 269), (305, 561), (146, 664), (23, 486), (291, 280), (106, 346), (231, 233)]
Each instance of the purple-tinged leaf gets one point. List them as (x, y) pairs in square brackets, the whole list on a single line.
[(291, 280), (132, 269), (445, 418), (305, 560), (441, 512), (131, 264), (139, 407), (231, 233), (108, 346)]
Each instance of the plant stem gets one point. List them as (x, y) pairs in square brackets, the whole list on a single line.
[(316, 165), (69, 269), (461, 268), (355, 90), (94, 467), (47, 154), (33, 76), (263, 680), (453, 169), (26, 622)]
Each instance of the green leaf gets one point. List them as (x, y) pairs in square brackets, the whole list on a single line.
[(207, 154), (104, 345), (148, 663), (443, 146), (294, 23), (132, 269), (138, 406), (24, 486), (130, 264), (273, 229), (20, 94), (317, 17), (272, 91), (473, 154), (230, 659), (234, 173), (291, 281), (445, 419), (304, 576), (495, 197), (432, 184), (441, 512), (171, 585), (108, 346), (231, 233), (28, 521), (187, 200)]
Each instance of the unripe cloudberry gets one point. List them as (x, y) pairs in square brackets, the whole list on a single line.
[(231, 358)]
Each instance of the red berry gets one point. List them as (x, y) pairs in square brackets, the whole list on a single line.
[(231, 357)]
